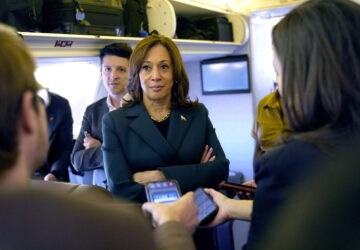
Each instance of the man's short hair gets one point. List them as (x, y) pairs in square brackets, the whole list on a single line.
[(116, 49), (17, 68)]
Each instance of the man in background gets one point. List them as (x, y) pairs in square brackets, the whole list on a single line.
[(60, 137), (87, 154)]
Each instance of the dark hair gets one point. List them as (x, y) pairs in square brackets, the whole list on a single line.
[(318, 46), (16, 76), (116, 49), (180, 89)]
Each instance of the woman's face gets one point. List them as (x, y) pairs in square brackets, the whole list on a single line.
[(156, 75), (278, 70)]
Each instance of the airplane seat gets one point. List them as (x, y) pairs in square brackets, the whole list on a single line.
[(76, 177), (85, 177), (236, 177), (99, 178), (224, 236), (92, 177)]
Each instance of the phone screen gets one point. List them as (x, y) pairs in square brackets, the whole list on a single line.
[(207, 207), (163, 191)]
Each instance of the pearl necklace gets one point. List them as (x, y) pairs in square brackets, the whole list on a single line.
[(161, 119)]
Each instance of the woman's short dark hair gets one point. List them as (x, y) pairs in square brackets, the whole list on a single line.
[(180, 89), (318, 46)]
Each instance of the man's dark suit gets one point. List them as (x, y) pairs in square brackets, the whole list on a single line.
[(60, 138), (276, 174), (90, 159), (133, 143)]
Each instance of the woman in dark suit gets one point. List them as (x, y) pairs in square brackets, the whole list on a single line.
[(317, 56), (160, 134)]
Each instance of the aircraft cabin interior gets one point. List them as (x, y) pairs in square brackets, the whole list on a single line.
[(69, 65)]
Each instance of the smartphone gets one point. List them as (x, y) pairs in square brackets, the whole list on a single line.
[(233, 188), (162, 191), (85, 134), (207, 207), (168, 191)]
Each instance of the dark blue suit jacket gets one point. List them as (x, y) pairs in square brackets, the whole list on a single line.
[(277, 172), (60, 136), (132, 143)]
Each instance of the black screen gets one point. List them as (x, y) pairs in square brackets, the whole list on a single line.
[(225, 75)]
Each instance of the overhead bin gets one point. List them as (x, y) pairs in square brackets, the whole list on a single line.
[(161, 17), (66, 45), (240, 27), (198, 12)]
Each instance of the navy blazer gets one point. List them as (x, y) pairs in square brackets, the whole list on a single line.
[(132, 143), (88, 159), (60, 136), (277, 172)]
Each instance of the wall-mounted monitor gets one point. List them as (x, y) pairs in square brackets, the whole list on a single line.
[(225, 75)]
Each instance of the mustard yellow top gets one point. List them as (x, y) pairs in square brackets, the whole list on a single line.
[(270, 122)]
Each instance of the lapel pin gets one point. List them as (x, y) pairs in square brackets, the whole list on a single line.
[(182, 118)]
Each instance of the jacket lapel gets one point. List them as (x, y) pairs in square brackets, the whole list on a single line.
[(179, 124), (145, 128)]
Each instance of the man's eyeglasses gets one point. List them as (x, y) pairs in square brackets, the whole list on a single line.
[(42, 94)]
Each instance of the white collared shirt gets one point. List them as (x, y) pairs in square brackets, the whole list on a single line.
[(110, 106), (127, 96)]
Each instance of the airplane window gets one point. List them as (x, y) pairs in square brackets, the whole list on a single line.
[(76, 79)]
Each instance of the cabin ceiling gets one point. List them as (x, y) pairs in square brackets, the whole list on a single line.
[(245, 7), (254, 5)]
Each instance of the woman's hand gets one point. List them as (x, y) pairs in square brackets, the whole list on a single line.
[(148, 176), (250, 183), (248, 196), (206, 156), (229, 208), (184, 210), (223, 202)]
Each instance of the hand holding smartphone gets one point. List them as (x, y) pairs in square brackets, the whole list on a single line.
[(162, 191), (244, 191), (168, 191), (207, 207)]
